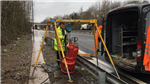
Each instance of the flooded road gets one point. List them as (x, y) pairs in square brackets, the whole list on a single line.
[(39, 74)]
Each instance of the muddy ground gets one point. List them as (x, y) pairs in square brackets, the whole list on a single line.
[(16, 61), (80, 76)]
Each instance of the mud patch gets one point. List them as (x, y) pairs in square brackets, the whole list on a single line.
[(16, 61)]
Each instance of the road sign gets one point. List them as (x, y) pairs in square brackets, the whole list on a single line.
[(53, 20)]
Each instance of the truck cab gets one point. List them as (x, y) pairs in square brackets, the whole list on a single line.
[(126, 30)]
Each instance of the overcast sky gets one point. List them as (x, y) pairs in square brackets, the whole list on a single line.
[(51, 8)]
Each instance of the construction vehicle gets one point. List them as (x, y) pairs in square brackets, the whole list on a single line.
[(86, 27), (126, 30)]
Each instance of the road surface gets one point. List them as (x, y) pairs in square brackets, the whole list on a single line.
[(86, 44)]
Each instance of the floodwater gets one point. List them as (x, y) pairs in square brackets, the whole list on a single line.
[(39, 76)]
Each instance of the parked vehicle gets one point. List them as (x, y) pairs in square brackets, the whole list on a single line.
[(126, 30)]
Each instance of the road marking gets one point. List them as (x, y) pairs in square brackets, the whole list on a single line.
[(98, 60), (81, 52)]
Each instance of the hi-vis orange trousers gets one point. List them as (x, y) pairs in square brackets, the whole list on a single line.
[(97, 35)]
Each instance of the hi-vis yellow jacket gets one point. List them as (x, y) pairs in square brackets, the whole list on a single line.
[(62, 39)]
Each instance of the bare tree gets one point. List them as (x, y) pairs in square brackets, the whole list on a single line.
[(16, 19), (96, 10), (81, 12), (145, 1)]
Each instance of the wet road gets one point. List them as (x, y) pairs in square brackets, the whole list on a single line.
[(86, 44), (39, 75)]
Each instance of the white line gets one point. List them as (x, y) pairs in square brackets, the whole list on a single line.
[(81, 52), (101, 62)]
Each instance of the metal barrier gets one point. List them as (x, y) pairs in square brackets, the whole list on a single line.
[(50, 39), (83, 31), (110, 78)]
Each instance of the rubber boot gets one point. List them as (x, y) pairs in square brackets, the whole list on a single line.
[(59, 64)]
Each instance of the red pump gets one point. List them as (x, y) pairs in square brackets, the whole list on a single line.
[(70, 58), (72, 52)]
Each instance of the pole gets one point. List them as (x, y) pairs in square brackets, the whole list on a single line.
[(40, 51), (95, 43), (107, 51), (58, 39), (102, 78)]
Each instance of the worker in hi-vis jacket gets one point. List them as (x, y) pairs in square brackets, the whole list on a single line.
[(62, 36)]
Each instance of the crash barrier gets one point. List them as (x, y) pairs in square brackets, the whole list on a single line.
[(49, 39), (83, 31)]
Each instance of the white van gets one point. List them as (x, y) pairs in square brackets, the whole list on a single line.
[(84, 27)]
